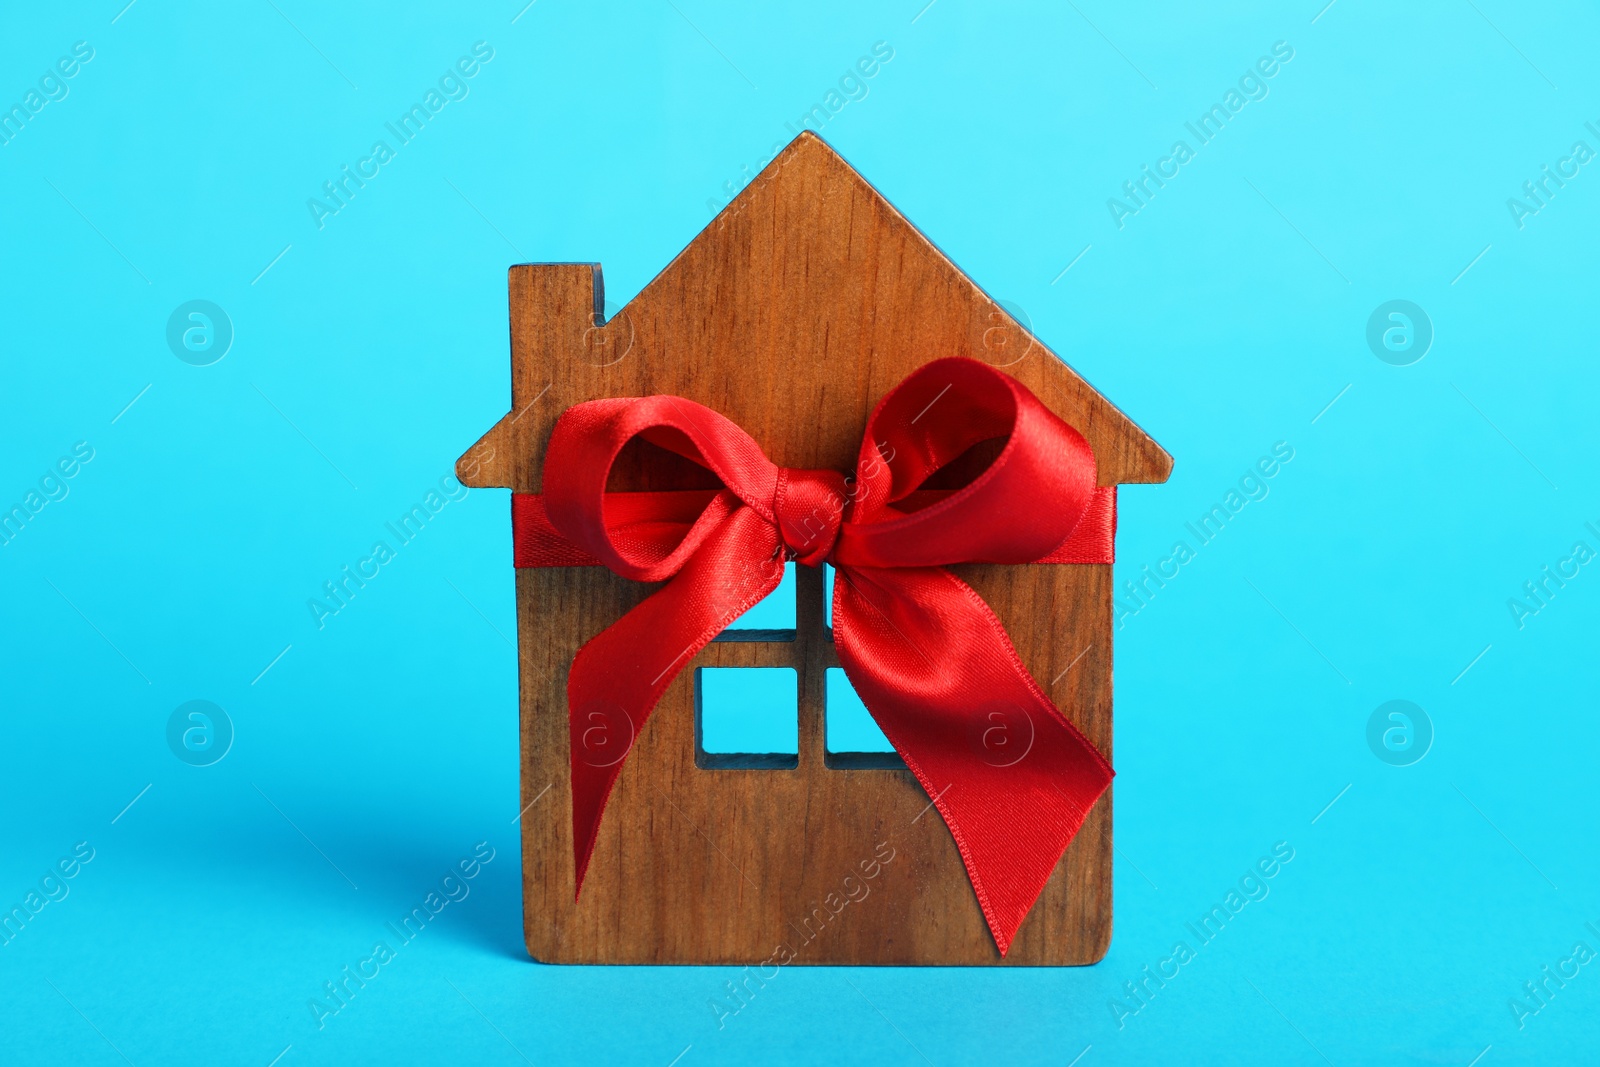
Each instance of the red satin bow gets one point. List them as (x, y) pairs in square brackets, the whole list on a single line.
[(1009, 773)]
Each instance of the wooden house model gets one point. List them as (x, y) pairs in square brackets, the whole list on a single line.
[(798, 307)]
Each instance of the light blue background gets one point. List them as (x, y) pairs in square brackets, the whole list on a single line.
[(1224, 317)]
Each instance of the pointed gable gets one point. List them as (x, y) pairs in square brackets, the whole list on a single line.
[(811, 290)]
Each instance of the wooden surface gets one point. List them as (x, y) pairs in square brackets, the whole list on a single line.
[(793, 313)]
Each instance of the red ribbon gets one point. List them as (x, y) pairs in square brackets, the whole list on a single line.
[(1012, 777)]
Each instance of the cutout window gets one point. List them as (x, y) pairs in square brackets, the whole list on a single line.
[(827, 599), (746, 718), (853, 737), (770, 619)]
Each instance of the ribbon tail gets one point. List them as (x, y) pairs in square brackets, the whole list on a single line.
[(619, 675), (1011, 776)]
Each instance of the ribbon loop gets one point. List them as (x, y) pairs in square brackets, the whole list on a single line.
[(584, 447), (1018, 508)]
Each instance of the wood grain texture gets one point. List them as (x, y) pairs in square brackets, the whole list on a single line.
[(793, 313)]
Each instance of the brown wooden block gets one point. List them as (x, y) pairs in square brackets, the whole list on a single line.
[(792, 313)]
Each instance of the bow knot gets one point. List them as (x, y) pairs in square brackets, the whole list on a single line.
[(809, 508), (1009, 773)]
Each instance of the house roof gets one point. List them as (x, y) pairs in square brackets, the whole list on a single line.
[(808, 291)]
